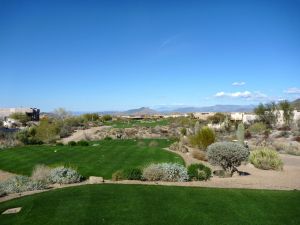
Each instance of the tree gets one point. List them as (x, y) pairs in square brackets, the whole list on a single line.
[(90, 116), (267, 113), (228, 155), (288, 112), (47, 131), (106, 117), (61, 113), (217, 118), (21, 117)]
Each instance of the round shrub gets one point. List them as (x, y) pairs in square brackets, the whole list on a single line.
[(127, 174), (228, 155), (72, 143), (82, 143), (171, 172), (199, 172), (64, 175), (133, 174), (266, 159)]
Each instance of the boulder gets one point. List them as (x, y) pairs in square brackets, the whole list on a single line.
[(95, 180)]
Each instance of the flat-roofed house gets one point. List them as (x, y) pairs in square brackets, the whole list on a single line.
[(34, 113)]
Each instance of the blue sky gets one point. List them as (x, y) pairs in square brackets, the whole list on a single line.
[(116, 55)]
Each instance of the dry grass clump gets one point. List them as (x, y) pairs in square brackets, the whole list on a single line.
[(41, 173), (200, 155), (292, 148)]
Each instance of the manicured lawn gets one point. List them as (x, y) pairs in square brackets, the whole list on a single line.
[(139, 123), (102, 160), (150, 205)]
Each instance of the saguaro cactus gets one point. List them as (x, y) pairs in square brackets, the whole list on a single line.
[(240, 133)]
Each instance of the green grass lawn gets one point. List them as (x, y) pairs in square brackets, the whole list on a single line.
[(150, 205), (139, 123), (102, 160)]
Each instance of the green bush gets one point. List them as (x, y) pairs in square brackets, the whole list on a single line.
[(203, 138), (59, 144), (228, 155), (257, 128), (199, 172), (133, 173), (72, 143), (82, 143), (128, 174), (266, 159), (106, 117)]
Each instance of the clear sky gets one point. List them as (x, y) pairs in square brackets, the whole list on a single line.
[(115, 55)]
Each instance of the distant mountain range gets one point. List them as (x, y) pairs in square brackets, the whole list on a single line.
[(296, 104), (216, 108)]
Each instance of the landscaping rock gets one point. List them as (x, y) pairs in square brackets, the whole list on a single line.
[(95, 180), (12, 211)]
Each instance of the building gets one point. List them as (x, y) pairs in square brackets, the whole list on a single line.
[(33, 113), (203, 115)]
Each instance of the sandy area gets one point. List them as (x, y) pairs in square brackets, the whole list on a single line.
[(288, 179), (79, 135)]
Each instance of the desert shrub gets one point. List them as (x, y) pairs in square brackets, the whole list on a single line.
[(64, 175), (82, 143), (59, 144), (266, 159), (41, 173), (171, 172), (284, 134), (228, 155), (153, 144), (197, 154), (118, 175), (72, 143), (203, 138), (292, 148), (199, 172), (19, 184), (133, 173), (257, 128)]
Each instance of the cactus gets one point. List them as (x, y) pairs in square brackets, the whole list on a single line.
[(197, 127), (240, 134)]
